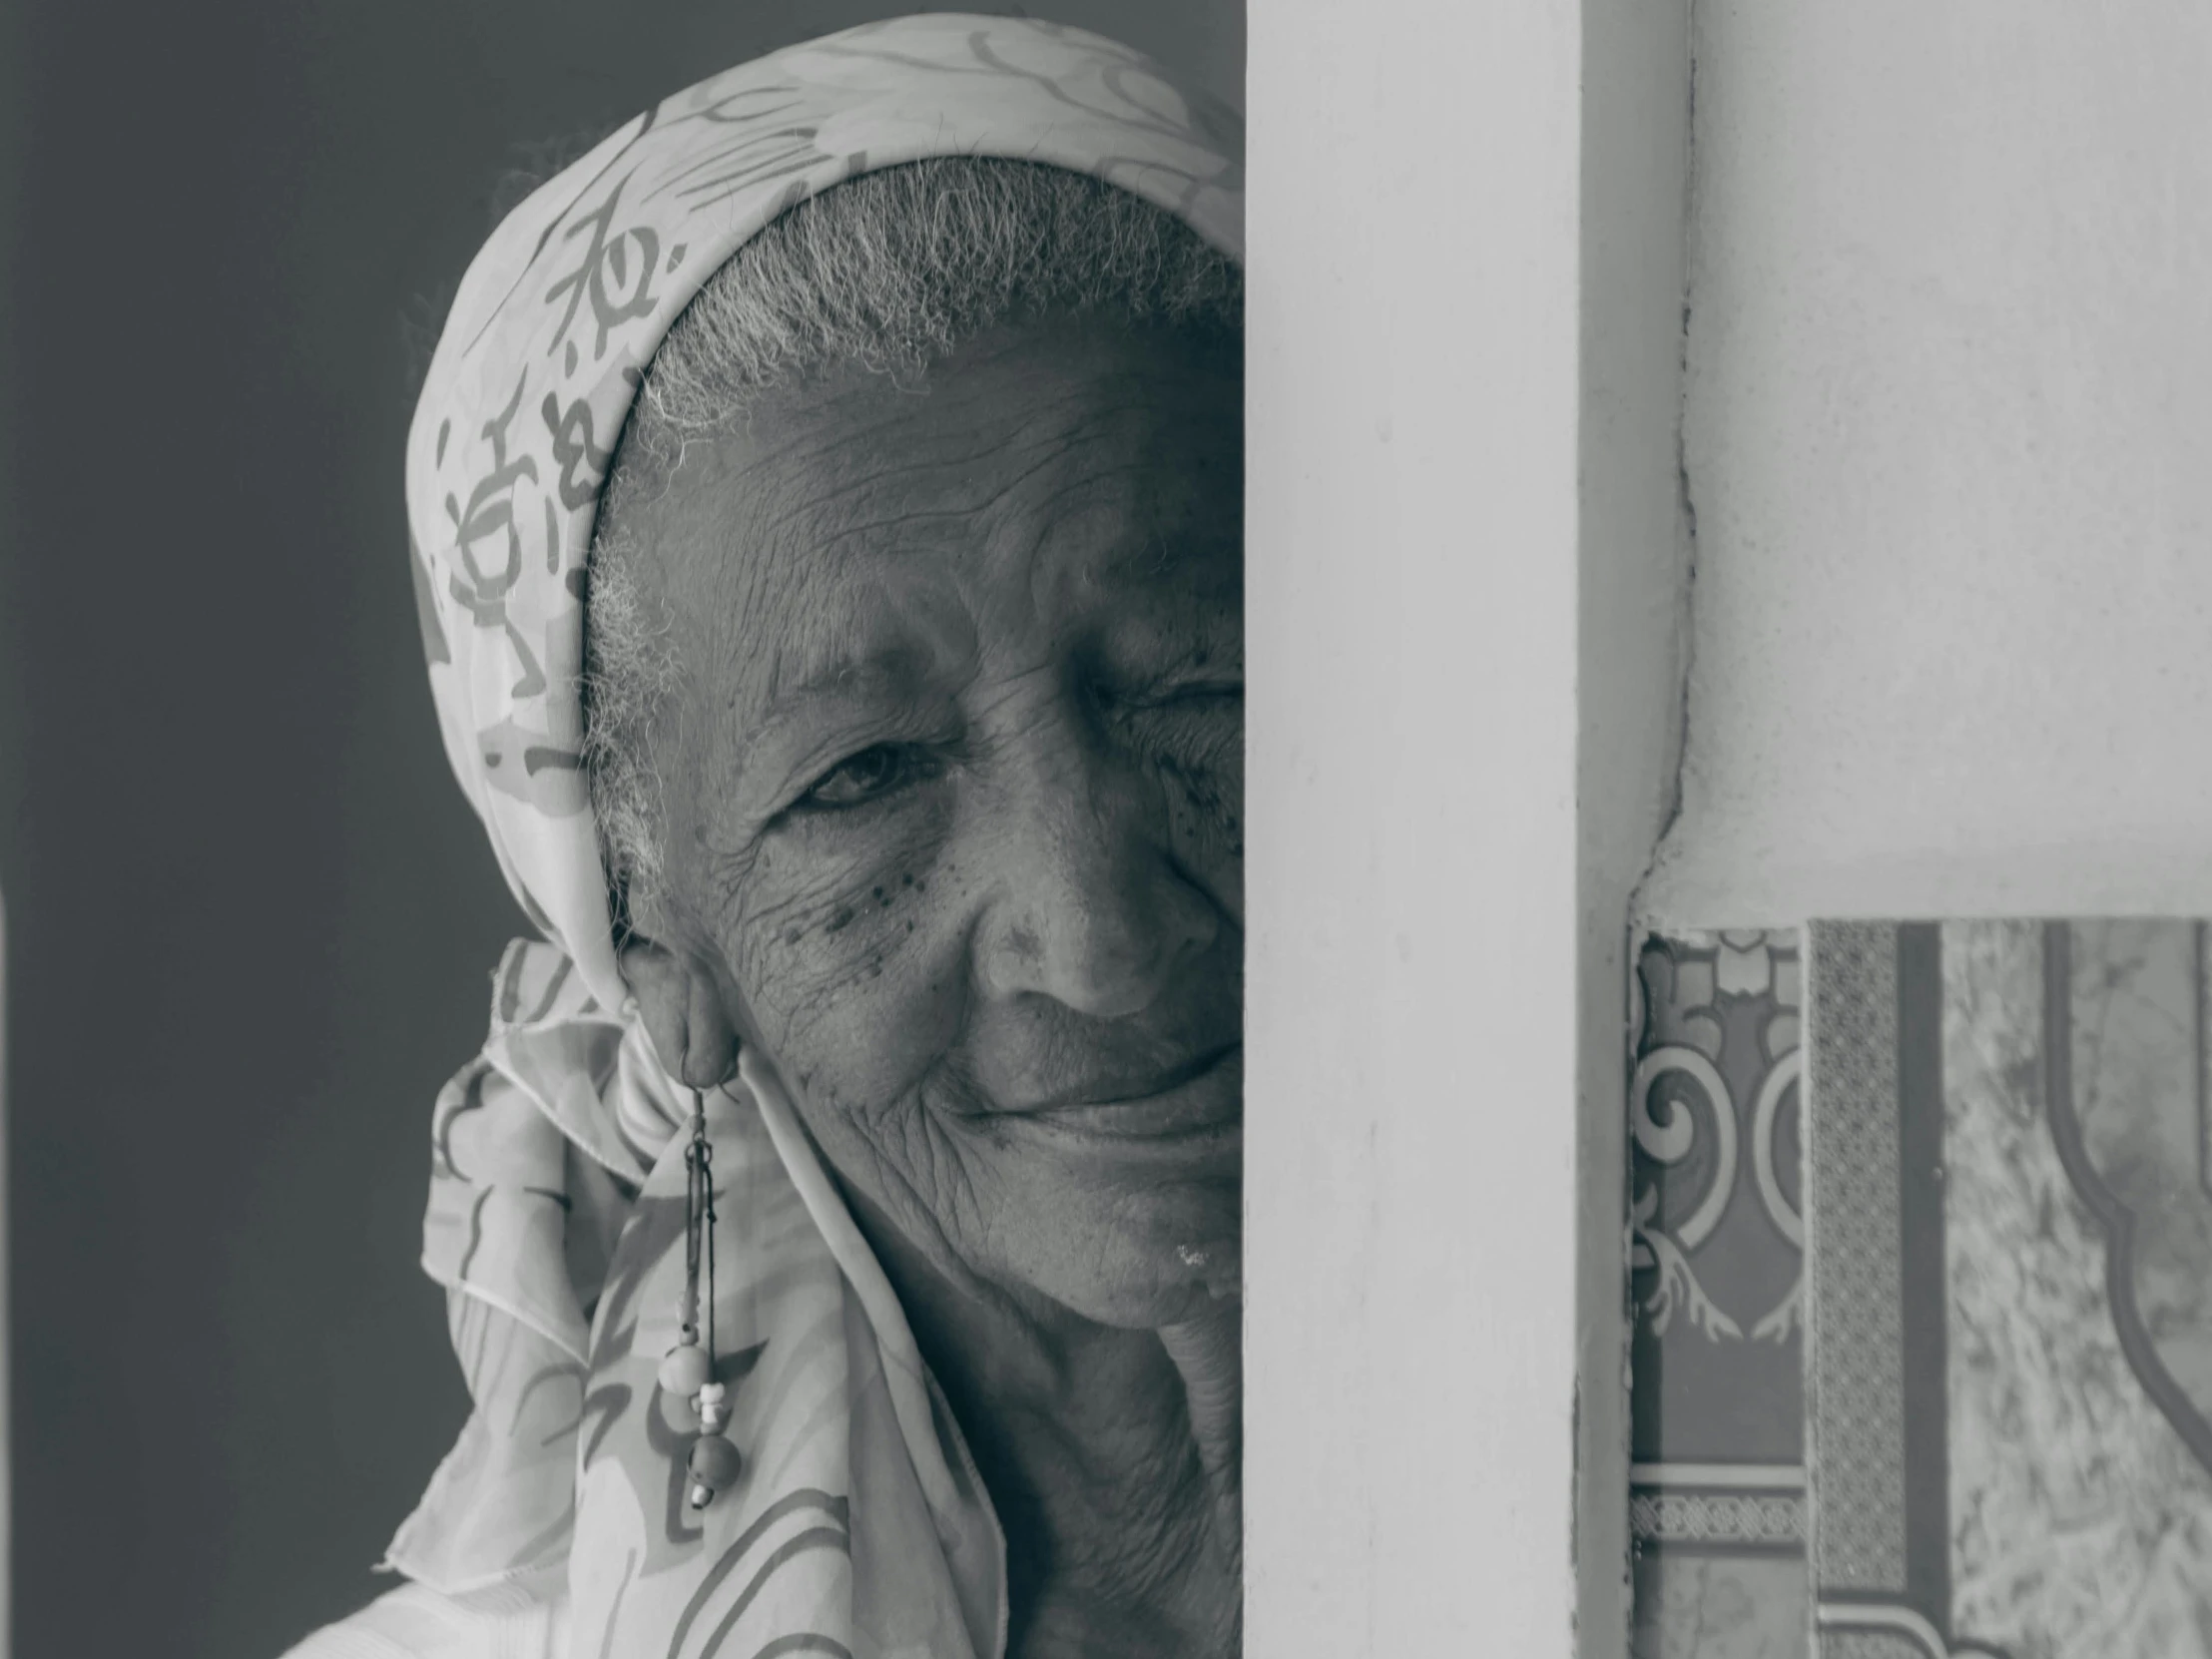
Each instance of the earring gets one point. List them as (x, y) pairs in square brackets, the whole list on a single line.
[(688, 1368)]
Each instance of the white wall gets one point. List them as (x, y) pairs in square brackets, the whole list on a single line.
[(1947, 441), (1949, 452), (1412, 997)]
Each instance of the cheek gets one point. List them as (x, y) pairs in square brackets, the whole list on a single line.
[(850, 960), (1205, 804)]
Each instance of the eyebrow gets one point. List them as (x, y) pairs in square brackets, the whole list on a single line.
[(854, 627), (1199, 626), (885, 671)]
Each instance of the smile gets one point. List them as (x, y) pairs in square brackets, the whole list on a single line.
[(1200, 1104)]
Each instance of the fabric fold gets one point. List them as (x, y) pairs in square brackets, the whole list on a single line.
[(568, 1475)]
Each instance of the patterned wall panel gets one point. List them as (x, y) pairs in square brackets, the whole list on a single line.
[(2008, 1305), (1716, 1501)]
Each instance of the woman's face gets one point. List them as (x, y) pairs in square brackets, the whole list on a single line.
[(956, 795)]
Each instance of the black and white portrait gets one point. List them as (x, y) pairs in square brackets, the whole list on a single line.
[(1098, 829)]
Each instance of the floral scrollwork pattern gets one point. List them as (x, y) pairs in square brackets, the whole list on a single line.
[(1671, 1141), (1691, 1146)]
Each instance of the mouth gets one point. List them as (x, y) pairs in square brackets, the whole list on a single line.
[(1200, 1100)]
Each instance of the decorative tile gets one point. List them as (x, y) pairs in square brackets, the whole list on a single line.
[(1719, 1607), (1716, 1504), (2008, 1305)]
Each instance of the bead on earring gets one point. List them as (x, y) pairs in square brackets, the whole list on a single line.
[(687, 1370)]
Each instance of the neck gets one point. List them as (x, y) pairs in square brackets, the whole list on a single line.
[(1083, 1436)]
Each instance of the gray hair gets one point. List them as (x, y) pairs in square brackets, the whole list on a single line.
[(889, 272)]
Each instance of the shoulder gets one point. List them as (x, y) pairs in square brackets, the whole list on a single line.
[(417, 1622)]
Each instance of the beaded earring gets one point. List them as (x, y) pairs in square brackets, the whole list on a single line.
[(688, 1368)]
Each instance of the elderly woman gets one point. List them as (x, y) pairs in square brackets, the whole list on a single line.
[(826, 504)]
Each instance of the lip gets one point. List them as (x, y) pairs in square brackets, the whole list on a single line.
[(1202, 1102), (1132, 1089)]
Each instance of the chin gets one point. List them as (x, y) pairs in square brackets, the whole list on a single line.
[(1138, 1257)]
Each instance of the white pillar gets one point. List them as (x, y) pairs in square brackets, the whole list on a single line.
[(1412, 536)]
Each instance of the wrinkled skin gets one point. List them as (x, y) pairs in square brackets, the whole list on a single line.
[(954, 814)]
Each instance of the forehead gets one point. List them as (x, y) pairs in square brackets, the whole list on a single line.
[(1042, 477)]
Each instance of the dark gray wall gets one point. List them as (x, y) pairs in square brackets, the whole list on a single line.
[(250, 918)]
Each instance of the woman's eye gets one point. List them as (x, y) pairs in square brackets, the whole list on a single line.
[(1189, 696), (1205, 703), (1211, 693), (863, 778)]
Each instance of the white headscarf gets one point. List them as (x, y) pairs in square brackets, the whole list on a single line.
[(858, 1527)]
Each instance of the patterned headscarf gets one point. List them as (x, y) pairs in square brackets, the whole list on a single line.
[(556, 1208)]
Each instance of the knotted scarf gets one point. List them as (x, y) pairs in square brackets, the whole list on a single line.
[(556, 1216)]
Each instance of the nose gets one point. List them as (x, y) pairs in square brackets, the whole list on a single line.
[(1088, 907)]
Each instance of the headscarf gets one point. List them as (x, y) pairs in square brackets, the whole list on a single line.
[(556, 1213)]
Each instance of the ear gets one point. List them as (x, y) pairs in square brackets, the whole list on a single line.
[(681, 1001)]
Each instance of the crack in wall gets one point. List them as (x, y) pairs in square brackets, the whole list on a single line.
[(1603, 1617), (1635, 928), (1685, 620)]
